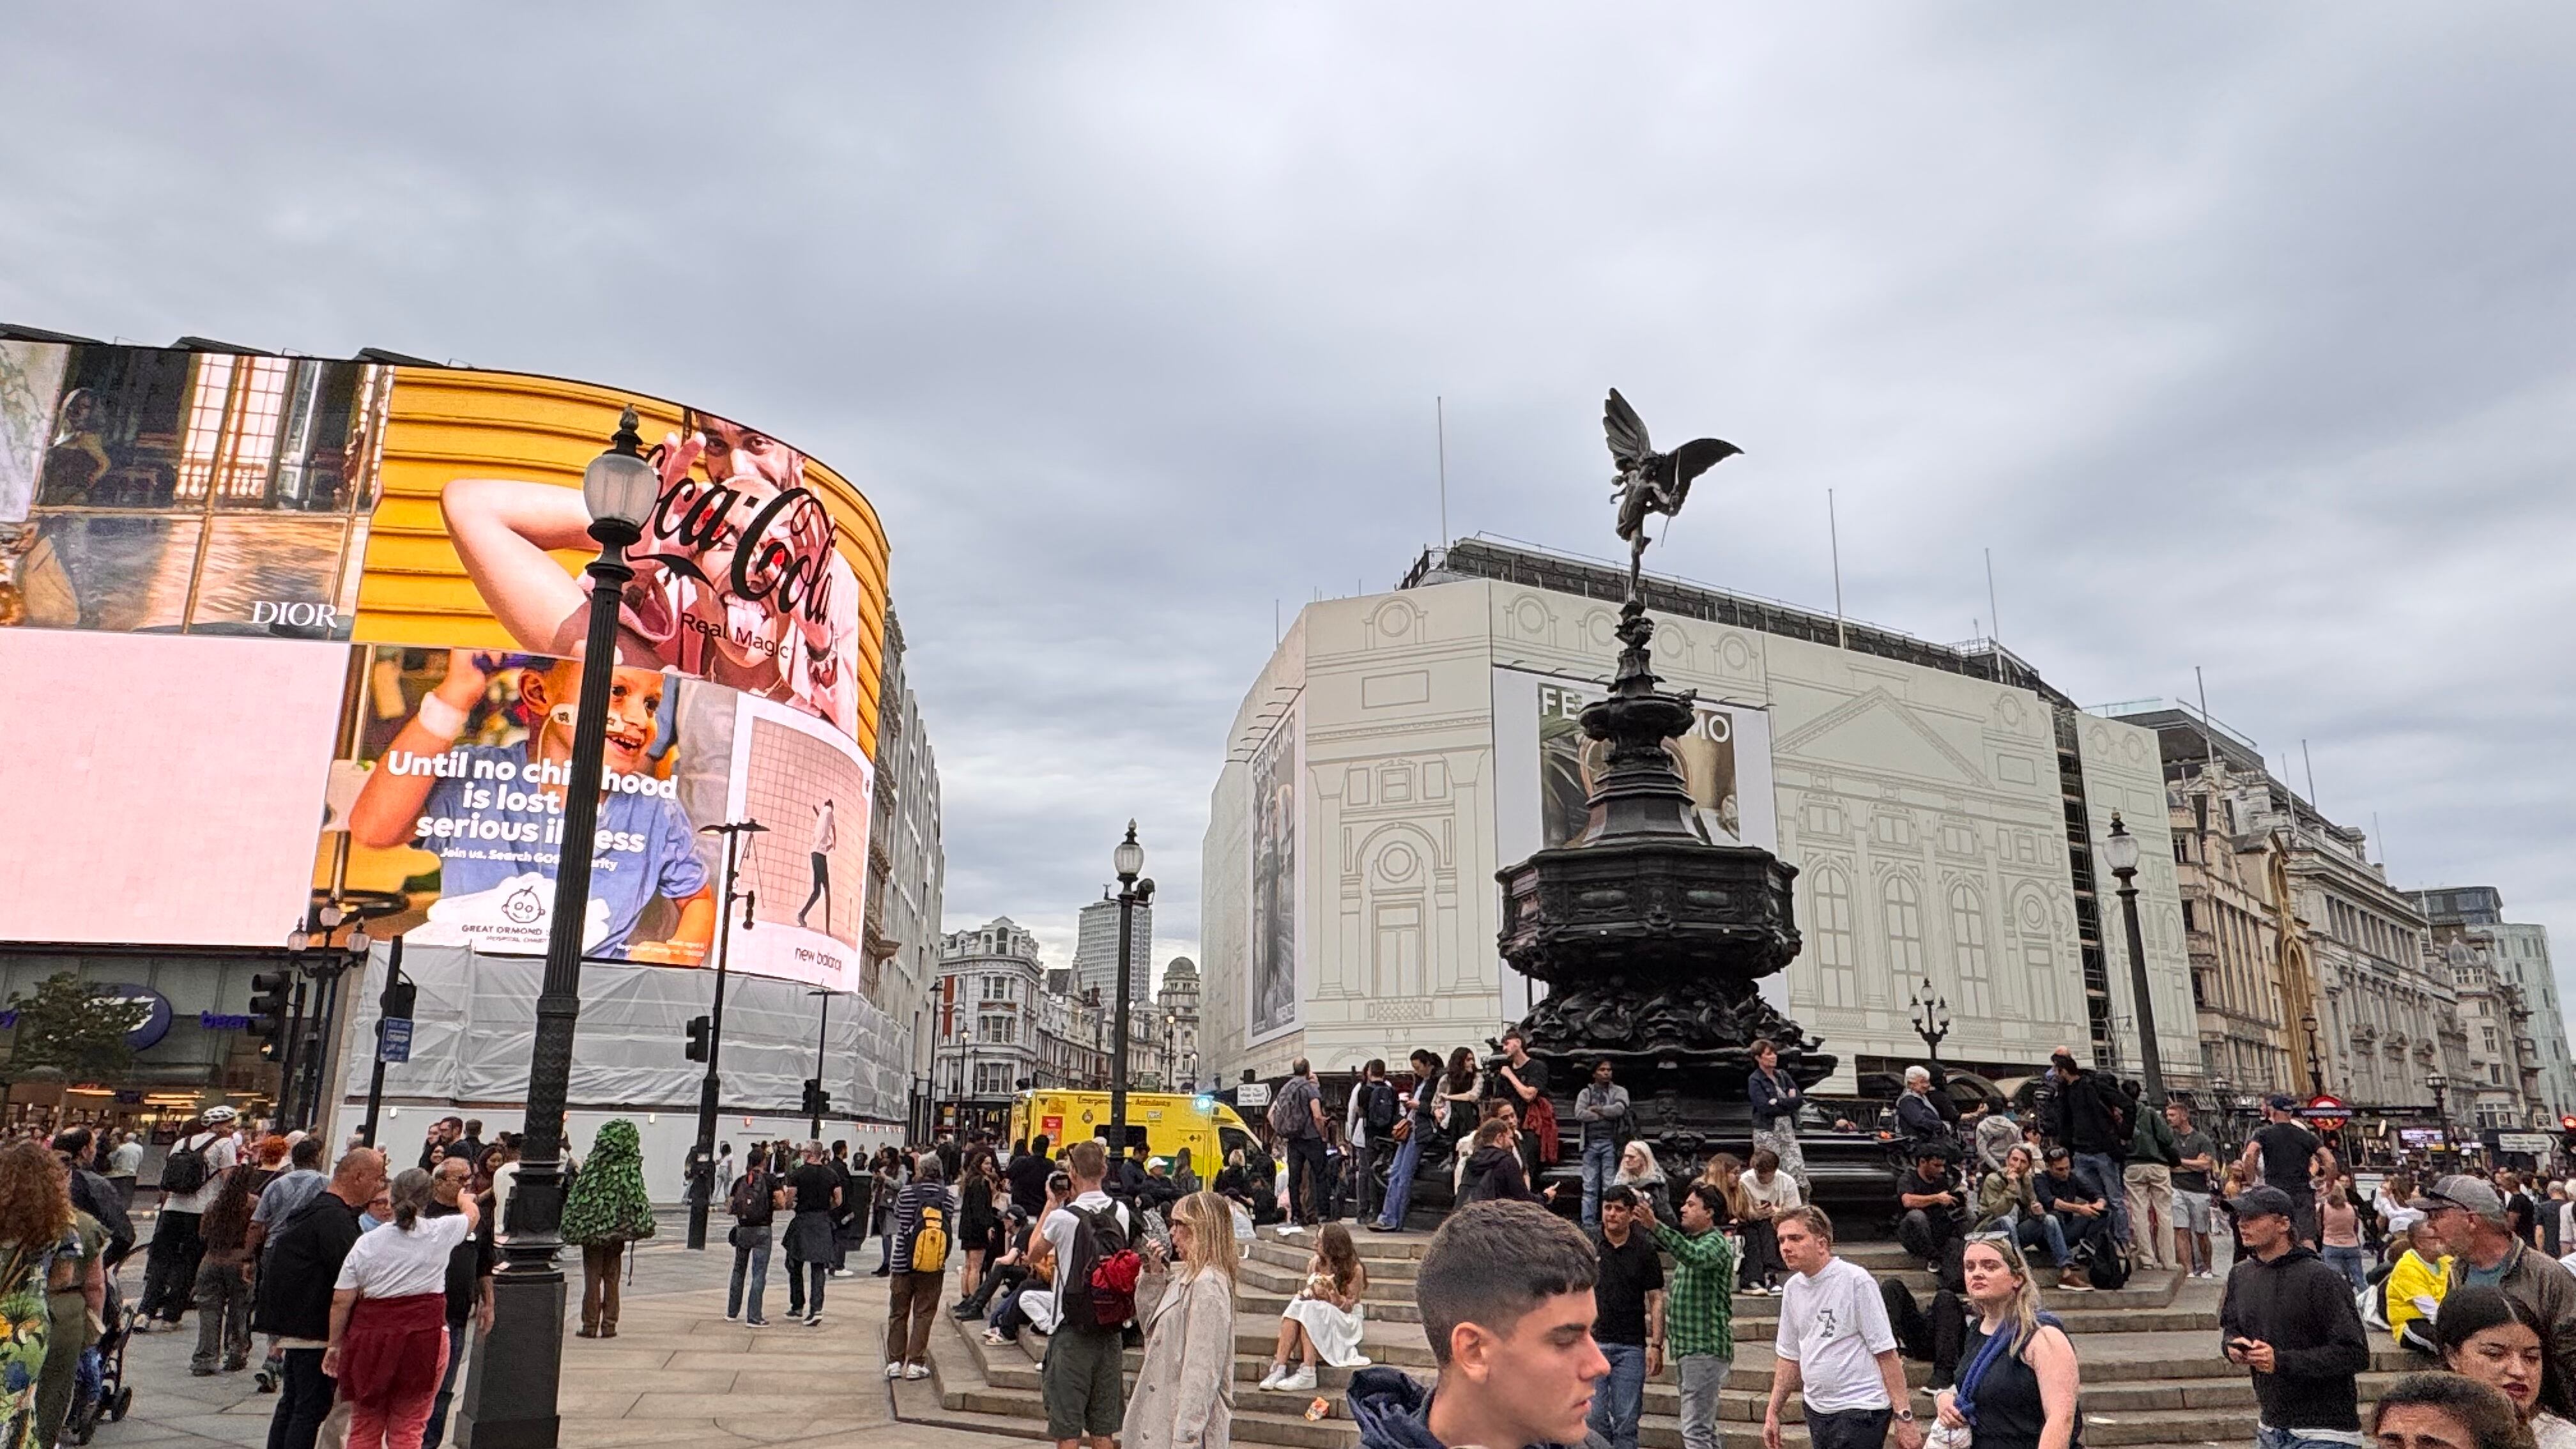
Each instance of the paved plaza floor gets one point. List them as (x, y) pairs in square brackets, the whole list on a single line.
[(677, 1372)]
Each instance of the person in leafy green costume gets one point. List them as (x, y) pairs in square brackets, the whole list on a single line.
[(607, 1210)]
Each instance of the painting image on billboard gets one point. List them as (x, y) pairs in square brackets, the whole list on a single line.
[(152, 490), (1273, 977), (1569, 761)]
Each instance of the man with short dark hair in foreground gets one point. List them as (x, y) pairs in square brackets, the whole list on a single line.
[(1506, 1297)]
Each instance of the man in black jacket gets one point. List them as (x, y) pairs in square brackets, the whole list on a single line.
[(2090, 1119), (293, 1296), (2290, 1319)]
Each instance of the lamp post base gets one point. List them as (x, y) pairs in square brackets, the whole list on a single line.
[(510, 1384)]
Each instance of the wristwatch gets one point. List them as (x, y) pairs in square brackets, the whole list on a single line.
[(1905, 1416)]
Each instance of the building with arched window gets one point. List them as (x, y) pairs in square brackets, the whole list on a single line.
[(1942, 803)]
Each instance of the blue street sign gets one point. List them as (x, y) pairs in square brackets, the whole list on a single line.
[(393, 1039)]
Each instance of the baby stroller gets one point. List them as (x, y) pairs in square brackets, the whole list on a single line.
[(102, 1391)]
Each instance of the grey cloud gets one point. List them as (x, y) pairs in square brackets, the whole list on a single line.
[(2237, 334)]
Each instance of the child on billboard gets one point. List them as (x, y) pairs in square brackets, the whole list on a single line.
[(736, 577), (493, 814)]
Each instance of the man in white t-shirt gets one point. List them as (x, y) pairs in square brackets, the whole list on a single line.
[(170, 1273), (1080, 1378), (1836, 1348)]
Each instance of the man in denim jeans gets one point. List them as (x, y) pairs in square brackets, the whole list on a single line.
[(2091, 1121), (1602, 1108), (1628, 1322), (1408, 1153)]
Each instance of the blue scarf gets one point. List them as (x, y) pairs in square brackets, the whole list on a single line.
[(1987, 1354)]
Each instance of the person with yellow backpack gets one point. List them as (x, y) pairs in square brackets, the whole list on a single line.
[(925, 1228)]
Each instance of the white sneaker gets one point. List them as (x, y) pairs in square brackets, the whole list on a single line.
[(1299, 1382), (894, 1370), (1278, 1374)]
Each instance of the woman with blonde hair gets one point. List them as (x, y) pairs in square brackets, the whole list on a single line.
[(2018, 1384), (1641, 1174), (1323, 1321), (1184, 1396)]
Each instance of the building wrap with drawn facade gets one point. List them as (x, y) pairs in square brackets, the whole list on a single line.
[(1943, 807)]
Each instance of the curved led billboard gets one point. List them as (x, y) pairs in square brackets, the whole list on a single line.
[(409, 541), (153, 490)]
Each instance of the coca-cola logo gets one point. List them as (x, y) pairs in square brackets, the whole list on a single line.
[(783, 558)]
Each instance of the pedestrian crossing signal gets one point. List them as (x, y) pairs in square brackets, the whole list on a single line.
[(272, 1009), (817, 1101), (701, 1036)]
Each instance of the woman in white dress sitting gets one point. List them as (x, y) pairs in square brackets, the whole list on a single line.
[(1322, 1323)]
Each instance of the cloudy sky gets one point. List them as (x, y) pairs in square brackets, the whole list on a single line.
[(2241, 335)]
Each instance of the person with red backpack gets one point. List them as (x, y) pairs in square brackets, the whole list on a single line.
[(1096, 1272), (754, 1201)]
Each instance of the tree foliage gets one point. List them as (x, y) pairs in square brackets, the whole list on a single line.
[(64, 1023)]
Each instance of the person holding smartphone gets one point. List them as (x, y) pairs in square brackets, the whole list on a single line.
[(2289, 1318)]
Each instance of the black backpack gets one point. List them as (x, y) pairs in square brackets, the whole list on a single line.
[(1098, 1237), (752, 1203), (185, 1170), (1379, 1105), (2108, 1271)]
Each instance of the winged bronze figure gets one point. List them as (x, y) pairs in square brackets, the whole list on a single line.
[(1648, 481)]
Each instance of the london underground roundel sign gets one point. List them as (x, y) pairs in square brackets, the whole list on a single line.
[(2327, 1112)]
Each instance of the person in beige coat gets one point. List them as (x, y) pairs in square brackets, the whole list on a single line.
[(1184, 1395)]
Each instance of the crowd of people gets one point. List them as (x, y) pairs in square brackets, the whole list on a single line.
[(357, 1289)]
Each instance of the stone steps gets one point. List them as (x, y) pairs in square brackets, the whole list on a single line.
[(2152, 1374)]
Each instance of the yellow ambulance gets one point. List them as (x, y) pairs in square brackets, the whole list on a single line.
[(1172, 1120)]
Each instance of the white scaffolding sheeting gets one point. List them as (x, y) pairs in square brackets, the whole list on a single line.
[(475, 1022)]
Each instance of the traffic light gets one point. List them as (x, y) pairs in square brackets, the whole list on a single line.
[(817, 1101), (272, 1010), (701, 1034), (2567, 1131)]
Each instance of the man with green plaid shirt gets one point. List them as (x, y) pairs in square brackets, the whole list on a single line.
[(1699, 1307)]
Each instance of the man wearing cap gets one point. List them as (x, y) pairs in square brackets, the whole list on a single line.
[(170, 1273), (2471, 1219), (2284, 1152), (2289, 1318), (2090, 1119)]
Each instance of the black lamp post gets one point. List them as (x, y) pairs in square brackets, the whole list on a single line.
[(1129, 859), (2120, 850), (1931, 1019), (702, 1159), (2316, 1058), (822, 1038), (2439, 1084), (521, 1359)]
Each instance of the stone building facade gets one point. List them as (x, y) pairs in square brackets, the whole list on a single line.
[(1943, 806), (986, 1036)]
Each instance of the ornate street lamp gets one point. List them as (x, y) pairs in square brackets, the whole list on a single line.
[(2439, 1084), (1931, 1018), (1129, 861), (2316, 1059), (2120, 851), (521, 1359)]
